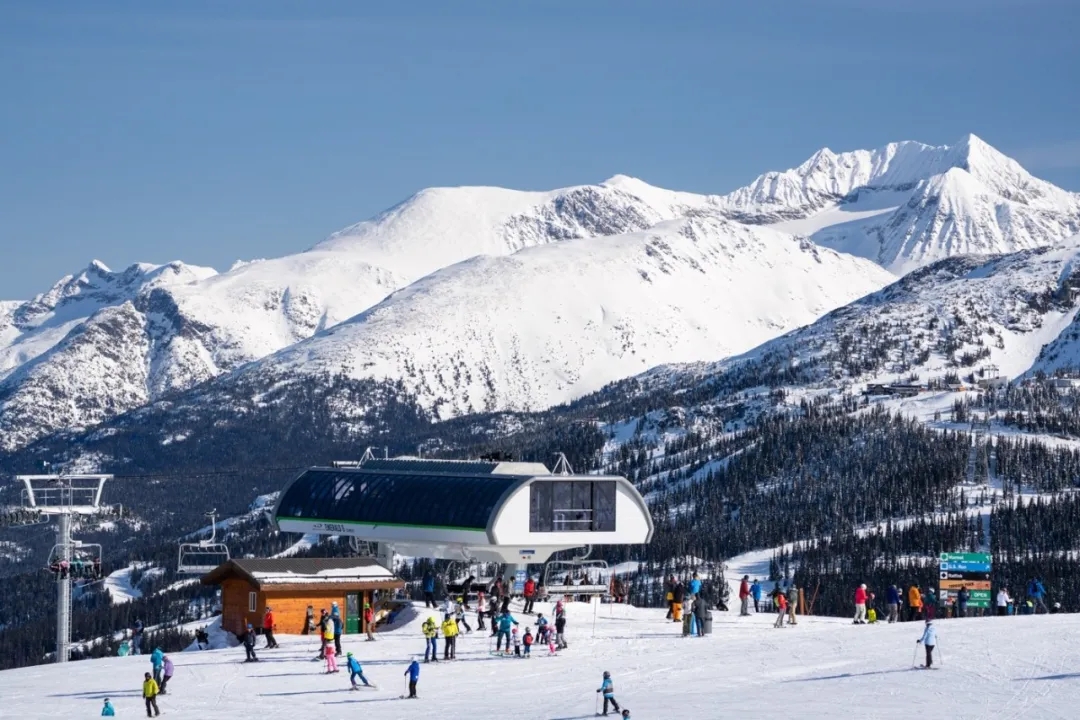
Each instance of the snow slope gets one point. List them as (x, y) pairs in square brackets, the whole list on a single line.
[(549, 324), (1018, 667)]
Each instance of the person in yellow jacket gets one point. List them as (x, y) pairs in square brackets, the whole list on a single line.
[(914, 600), (331, 654), (150, 693), (431, 640), (449, 631)]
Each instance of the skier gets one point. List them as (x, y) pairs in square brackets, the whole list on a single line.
[(1037, 593), (431, 639), (961, 601), (929, 640), (914, 598), (626, 714), (744, 595), (108, 710), (249, 644), (505, 621), (449, 631), (369, 622), (530, 595), (355, 671), (413, 671), (781, 609), (331, 660), (461, 619), (892, 602), (429, 589), (542, 629), (527, 641), (156, 663), (755, 592), (481, 608), (167, 669), (150, 693), (517, 643), (792, 602), (336, 625), (1003, 601), (608, 688), (328, 638), (324, 623), (860, 605), (309, 621), (136, 638), (268, 629), (560, 631)]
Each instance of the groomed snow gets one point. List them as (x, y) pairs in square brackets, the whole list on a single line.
[(1018, 667)]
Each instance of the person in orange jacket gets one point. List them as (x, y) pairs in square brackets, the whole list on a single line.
[(914, 598), (781, 609), (369, 621)]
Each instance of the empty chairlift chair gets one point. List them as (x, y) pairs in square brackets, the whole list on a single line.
[(199, 558)]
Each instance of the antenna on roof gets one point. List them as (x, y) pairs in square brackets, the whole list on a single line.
[(562, 465)]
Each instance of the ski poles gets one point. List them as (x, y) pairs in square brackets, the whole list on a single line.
[(915, 654), (597, 703)]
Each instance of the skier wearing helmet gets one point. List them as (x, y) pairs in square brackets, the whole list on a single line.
[(608, 688)]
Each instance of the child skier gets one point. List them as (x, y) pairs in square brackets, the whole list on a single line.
[(542, 629), (331, 660), (929, 640), (460, 618), (413, 672), (167, 670), (504, 624), (108, 710), (527, 641), (355, 671), (517, 642), (608, 688)]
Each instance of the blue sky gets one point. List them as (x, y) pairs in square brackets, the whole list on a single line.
[(210, 131)]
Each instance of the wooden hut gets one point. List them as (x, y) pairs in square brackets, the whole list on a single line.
[(290, 585)]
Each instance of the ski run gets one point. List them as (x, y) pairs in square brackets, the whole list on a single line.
[(1009, 667)]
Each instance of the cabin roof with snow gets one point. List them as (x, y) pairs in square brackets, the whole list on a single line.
[(275, 573), (492, 511)]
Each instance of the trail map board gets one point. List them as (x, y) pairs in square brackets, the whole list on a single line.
[(958, 570)]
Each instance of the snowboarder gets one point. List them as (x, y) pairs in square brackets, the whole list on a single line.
[(431, 639), (413, 671), (268, 629), (1003, 601), (744, 595), (355, 671), (150, 693), (608, 688), (369, 622), (929, 640), (860, 605), (914, 599), (167, 670), (429, 590), (249, 644), (449, 632), (755, 592), (156, 660), (781, 609), (527, 641), (530, 595), (505, 621), (107, 710), (892, 602)]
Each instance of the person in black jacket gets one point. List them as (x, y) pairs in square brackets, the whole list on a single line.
[(466, 588), (249, 644), (560, 631)]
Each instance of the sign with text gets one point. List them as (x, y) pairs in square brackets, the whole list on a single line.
[(965, 570)]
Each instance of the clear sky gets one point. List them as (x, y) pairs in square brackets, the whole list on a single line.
[(216, 131)]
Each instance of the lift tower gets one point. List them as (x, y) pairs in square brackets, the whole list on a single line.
[(63, 496)]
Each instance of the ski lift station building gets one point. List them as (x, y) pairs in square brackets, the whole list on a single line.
[(503, 512)]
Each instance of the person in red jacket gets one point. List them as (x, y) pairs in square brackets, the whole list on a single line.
[(744, 595), (781, 609), (860, 605), (268, 628), (530, 595), (369, 621)]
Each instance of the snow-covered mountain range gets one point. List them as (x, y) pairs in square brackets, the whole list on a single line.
[(485, 298)]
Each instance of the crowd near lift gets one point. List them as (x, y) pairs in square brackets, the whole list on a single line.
[(577, 576), (199, 558)]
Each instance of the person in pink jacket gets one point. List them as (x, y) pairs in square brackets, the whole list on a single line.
[(860, 605)]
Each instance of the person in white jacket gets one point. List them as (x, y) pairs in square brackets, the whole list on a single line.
[(1003, 601), (929, 640)]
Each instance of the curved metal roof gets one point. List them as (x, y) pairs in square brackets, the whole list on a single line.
[(383, 497)]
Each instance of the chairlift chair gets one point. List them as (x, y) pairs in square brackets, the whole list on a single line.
[(596, 573), (83, 565), (199, 558)]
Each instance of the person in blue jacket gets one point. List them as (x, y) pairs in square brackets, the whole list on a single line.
[(335, 618), (413, 672), (1037, 592), (608, 688), (505, 621), (108, 710), (429, 590), (892, 602), (355, 671), (157, 662), (929, 640), (695, 588), (755, 592)]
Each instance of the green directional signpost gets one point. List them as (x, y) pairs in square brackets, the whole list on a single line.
[(971, 570)]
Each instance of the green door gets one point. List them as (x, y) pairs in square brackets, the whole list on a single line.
[(352, 613)]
